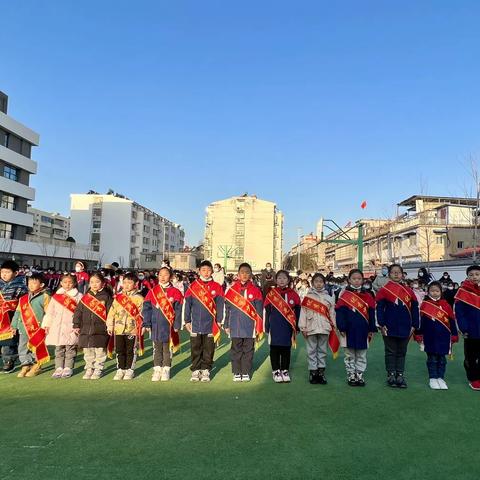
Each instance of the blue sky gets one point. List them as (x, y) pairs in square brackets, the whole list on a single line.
[(316, 105)]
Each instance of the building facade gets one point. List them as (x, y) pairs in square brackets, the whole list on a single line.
[(16, 167), (120, 229), (47, 225), (244, 228)]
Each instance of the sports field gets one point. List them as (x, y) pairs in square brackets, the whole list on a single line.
[(177, 430)]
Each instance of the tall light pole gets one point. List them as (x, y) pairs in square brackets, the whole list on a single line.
[(299, 235)]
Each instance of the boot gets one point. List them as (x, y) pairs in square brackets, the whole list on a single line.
[(313, 377), (165, 374), (23, 372), (360, 380), (391, 379), (34, 371), (321, 376)]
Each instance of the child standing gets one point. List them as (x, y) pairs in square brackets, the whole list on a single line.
[(243, 322), (317, 324), (89, 322), (355, 315), (203, 312), (82, 277), (124, 321), (282, 312), (397, 316), (32, 351), (58, 325), (438, 331), (467, 312), (12, 287), (162, 316)]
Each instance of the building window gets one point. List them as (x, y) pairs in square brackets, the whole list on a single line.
[(439, 240), (412, 240), (6, 230), (7, 201), (96, 224), (46, 219), (97, 212), (459, 244), (11, 173)]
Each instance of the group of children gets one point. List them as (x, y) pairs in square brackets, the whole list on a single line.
[(101, 324)]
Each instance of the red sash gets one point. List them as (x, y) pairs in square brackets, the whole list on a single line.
[(435, 313), (284, 309), (470, 298), (66, 301), (356, 302), (100, 310), (206, 299), (36, 334), (129, 306), (164, 305), (246, 307), (322, 309), (396, 291), (6, 306)]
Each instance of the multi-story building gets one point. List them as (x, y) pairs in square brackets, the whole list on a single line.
[(431, 229), (16, 166), (47, 225), (244, 228), (120, 229)]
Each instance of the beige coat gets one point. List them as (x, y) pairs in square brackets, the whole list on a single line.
[(313, 323)]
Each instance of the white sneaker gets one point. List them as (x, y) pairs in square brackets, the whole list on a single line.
[(129, 374), (434, 384), (442, 383), (67, 372), (157, 374), (246, 378), (119, 375), (166, 374), (237, 377), (96, 375), (277, 376), (196, 375), (286, 376), (88, 374), (205, 376), (58, 373)]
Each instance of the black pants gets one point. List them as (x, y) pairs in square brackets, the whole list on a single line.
[(241, 353), (125, 350), (280, 357), (472, 358), (202, 349), (395, 352), (161, 354)]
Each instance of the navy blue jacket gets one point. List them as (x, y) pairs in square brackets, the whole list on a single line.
[(396, 316), (468, 317), (241, 325), (196, 314), (276, 325), (436, 337), (154, 318), (353, 323)]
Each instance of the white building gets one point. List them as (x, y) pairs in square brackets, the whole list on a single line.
[(244, 229), (49, 225), (16, 166), (120, 229)]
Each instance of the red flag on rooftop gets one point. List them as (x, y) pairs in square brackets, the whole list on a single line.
[(364, 204)]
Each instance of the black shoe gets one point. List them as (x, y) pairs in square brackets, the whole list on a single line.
[(401, 382), (392, 380), (313, 377), (352, 380), (321, 377), (8, 366), (360, 380)]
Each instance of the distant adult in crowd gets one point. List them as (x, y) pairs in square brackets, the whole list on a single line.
[(268, 270), (380, 280), (218, 274), (82, 277), (424, 275), (445, 280)]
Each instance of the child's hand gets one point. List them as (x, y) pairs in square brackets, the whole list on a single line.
[(14, 331), (370, 336), (384, 331), (342, 334), (418, 338), (109, 332), (454, 338), (76, 331), (227, 331), (304, 334), (145, 330), (188, 327), (47, 329)]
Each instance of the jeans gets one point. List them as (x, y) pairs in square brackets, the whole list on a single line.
[(355, 360), (25, 356), (65, 356), (436, 365)]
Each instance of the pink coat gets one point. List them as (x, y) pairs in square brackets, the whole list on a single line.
[(59, 321)]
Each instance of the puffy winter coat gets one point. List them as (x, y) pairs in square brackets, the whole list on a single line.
[(39, 303), (58, 320), (468, 316), (93, 330), (313, 323), (119, 321)]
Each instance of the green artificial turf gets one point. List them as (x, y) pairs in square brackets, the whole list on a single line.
[(177, 430)]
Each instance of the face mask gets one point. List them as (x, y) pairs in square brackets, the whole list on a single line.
[(141, 277), (384, 271), (415, 285), (445, 276), (420, 274), (78, 268), (434, 298), (216, 269), (450, 287), (367, 287)]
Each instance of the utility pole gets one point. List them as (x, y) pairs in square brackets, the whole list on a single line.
[(475, 220), (299, 233)]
